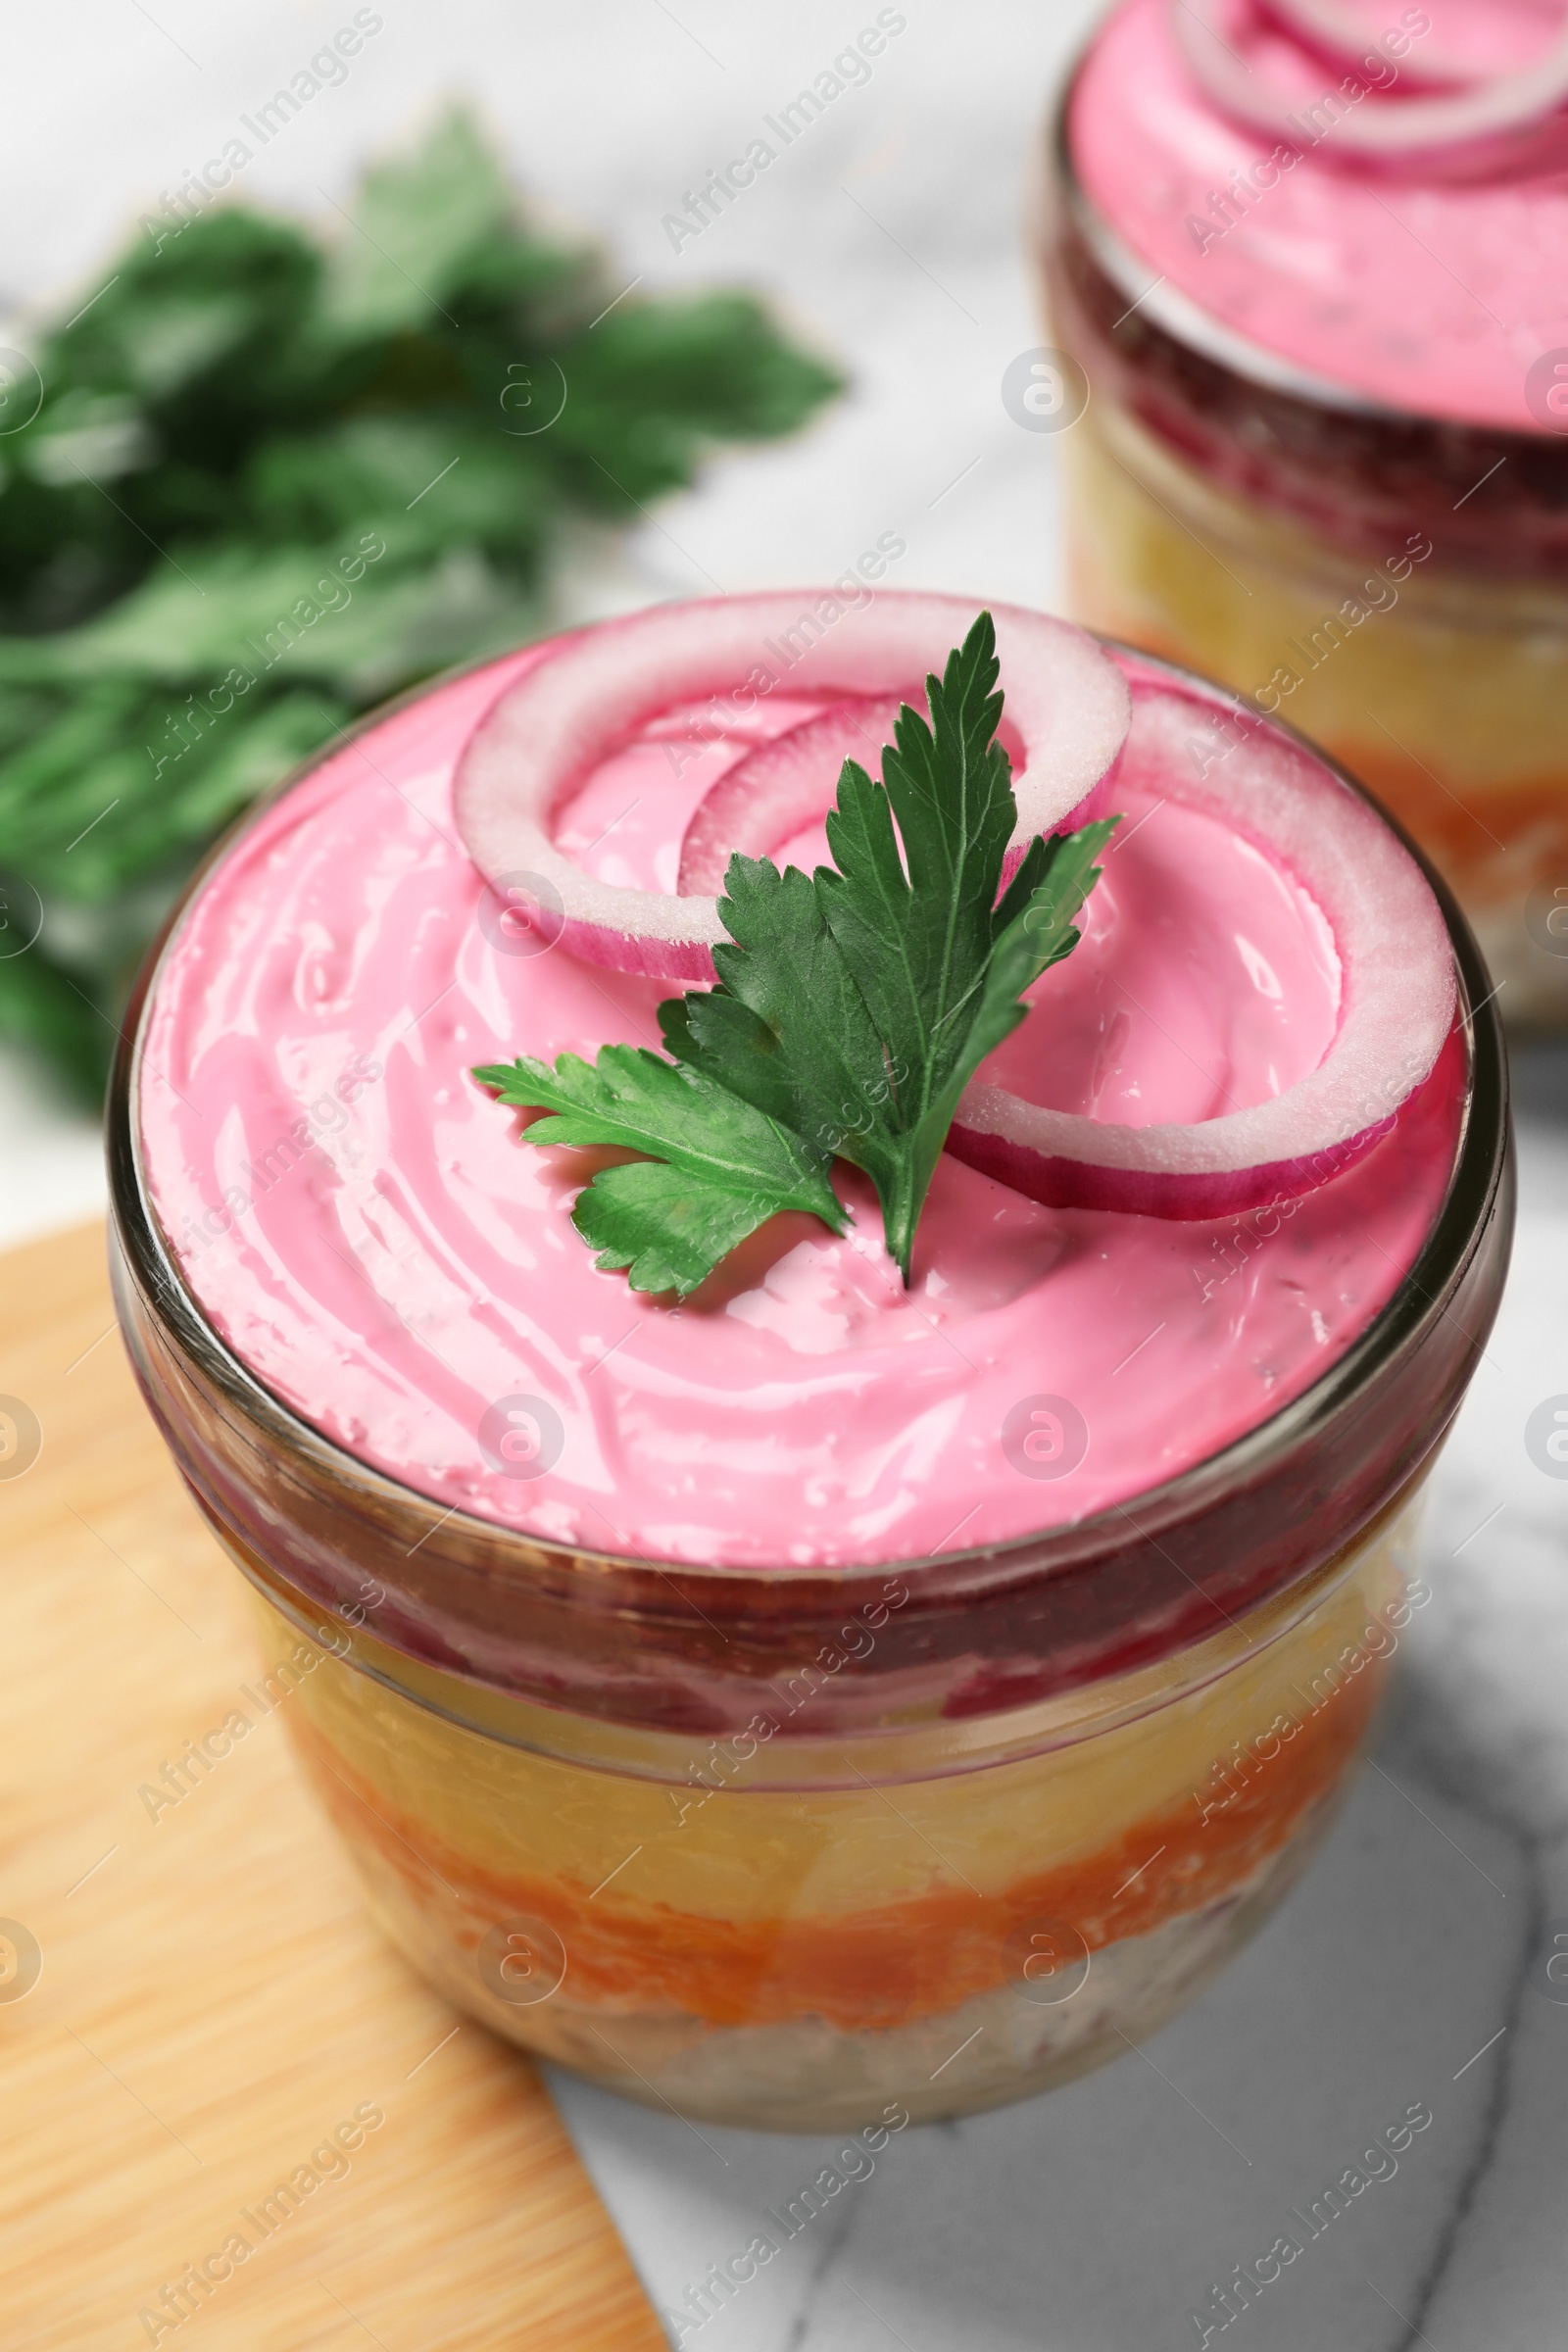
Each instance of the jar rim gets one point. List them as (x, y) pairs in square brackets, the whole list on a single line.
[(771, 1600)]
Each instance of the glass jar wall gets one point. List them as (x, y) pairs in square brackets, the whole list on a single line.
[(799, 1848), (813, 1935)]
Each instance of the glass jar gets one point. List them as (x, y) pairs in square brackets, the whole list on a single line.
[(1395, 584), (807, 1849)]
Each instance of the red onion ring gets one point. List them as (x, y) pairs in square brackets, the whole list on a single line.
[(782, 786), (1334, 32), (1067, 700), (1397, 1003), (1395, 130)]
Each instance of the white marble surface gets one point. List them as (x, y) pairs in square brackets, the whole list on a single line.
[(1093, 2220), (1097, 2218)]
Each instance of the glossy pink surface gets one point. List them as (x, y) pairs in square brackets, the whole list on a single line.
[(1426, 295), (364, 1227)]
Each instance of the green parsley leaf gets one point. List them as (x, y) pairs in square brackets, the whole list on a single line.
[(855, 1005), (41, 1008), (726, 1166)]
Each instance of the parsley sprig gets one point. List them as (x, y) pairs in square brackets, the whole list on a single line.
[(277, 473), (853, 1006), (716, 1167)]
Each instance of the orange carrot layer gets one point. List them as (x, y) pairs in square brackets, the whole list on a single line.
[(891, 1963)]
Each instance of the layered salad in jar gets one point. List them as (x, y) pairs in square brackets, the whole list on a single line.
[(811, 1249), (1306, 264)]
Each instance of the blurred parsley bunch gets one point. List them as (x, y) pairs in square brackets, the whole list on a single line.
[(273, 480)]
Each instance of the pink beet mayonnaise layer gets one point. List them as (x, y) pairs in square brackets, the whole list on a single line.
[(1428, 295), (363, 1225)]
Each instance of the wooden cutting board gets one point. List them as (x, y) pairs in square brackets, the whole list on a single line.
[(212, 2002)]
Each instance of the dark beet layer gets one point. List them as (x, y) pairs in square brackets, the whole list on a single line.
[(1364, 479)]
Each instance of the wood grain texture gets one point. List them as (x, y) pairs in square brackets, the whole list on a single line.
[(213, 2000)]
